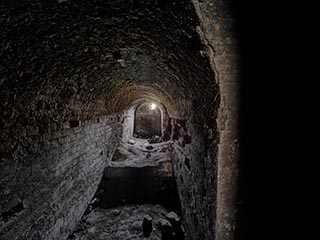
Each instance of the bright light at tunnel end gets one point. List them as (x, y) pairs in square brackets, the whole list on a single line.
[(153, 106)]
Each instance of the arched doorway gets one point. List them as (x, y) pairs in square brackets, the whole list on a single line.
[(147, 120)]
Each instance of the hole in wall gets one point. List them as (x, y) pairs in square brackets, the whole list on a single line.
[(116, 54), (12, 211), (181, 178), (187, 162), (74, 123)]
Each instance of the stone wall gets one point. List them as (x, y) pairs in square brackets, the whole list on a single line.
[(195, 168), (219, 33), (46, 188), (127, 123)]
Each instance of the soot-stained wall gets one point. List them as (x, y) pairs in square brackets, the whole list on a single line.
[(82, 59), (220, 33), (93, 57), (49, 180), (195, 167)]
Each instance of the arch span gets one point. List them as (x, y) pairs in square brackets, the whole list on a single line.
[(70, 68)]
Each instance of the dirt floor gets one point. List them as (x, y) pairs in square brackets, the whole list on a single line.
[(138, 183), (120, 223), (140, 154)]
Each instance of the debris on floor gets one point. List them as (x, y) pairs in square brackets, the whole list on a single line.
[(154, 139), (131, 141), (131, 222), (140, 153), (143, 188), (149, 147), (147, 226)]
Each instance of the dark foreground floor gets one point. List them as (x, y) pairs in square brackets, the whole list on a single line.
[(138, 182), (120, 223)]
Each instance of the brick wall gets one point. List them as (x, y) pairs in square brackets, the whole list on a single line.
[(218, 29), (47, 187), (195, 167), (127, 122)]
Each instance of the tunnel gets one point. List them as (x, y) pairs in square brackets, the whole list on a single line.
[(147, 120), (74, 76)]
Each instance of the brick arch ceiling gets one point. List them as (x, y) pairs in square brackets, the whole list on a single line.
[(89, 58)]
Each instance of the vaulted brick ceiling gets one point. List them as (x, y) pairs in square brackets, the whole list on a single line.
[(85, 58)]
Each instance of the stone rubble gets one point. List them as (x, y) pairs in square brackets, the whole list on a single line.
[(147, 226), (134, 222)]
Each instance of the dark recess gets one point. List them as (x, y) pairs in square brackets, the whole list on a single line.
[(74, 123), (12, 212)]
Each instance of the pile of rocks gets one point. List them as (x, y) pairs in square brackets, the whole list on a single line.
[(170, 227)]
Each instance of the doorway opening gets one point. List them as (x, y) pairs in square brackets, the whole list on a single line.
[(147, 121)]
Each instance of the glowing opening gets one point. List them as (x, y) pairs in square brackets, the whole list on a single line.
[(153, 106), (147, 121)]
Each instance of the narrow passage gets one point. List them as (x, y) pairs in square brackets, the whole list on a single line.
[(137, 197)]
